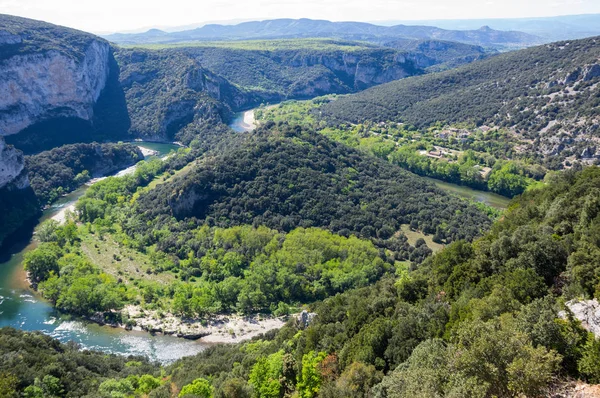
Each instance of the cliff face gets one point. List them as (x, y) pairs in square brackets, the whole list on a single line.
[(166, 91), (11, 167), (18, 203), (351, 71), (57, 86), (36, 87)]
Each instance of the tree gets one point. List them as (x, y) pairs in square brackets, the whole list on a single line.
[(147, 383), (265, 376), (39, 263), (310, 380), (589, 364), (235, 388), (199, 387), (116, 388), (8, 385), (46, 232)]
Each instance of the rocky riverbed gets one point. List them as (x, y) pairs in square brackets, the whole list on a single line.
[(216, 329)]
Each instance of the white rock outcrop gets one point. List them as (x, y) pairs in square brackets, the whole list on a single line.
[(11, 166), (50, 84), (588, 312)]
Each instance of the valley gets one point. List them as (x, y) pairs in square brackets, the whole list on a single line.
[(298, 208), (22, 308)]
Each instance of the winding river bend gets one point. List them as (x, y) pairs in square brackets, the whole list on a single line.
[(22, 308)]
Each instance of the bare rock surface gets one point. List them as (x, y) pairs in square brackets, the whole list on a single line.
[(50, 84), (588, 312)]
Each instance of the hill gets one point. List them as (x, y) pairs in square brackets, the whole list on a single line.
[(305, 28), (279, 218), (478, 319), (547, 97), (284, 177), (207, 82)]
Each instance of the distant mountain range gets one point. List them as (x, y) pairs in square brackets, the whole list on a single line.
[(303, 28), (566, 27)]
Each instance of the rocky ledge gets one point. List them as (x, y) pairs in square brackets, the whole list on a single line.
[(588, 312), (11, 166)]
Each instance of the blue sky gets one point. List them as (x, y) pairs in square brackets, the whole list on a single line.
[(120, 15)]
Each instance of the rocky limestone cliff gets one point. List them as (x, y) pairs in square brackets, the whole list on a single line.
[(357, 70), (167, 91), (588, 312), (51, 84), (11, 167)]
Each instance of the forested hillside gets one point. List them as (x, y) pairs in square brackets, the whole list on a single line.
[(285, 177), (63, 169), (281, 218), (547, 96), (35, 365), (478, 319), (206, 83)]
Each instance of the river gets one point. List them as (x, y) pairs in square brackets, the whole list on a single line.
[(22, 308), (243, 121), (489, 198)]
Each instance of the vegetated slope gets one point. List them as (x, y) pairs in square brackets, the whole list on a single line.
[(303, 28), (38, 365), (548, 94), (254, 228), (284, 177), (178, 93), (478, 319), (61, 86), (172, 96), (61, 170)]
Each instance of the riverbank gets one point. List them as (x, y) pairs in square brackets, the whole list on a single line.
[(22, 308), (244, 121), (228, 329)]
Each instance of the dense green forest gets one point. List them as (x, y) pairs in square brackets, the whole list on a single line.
[(546, 95), (478, 319), (35, 365), (63, 169), (210, 256), (283, 176), (483, 160)]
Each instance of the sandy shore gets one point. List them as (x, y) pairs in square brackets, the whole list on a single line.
[(249, 119), (61, 216)]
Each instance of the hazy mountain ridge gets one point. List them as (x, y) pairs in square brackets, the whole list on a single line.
[(566, 27), (303, 28)]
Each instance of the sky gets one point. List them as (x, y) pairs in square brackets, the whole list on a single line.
[(104, 16)]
